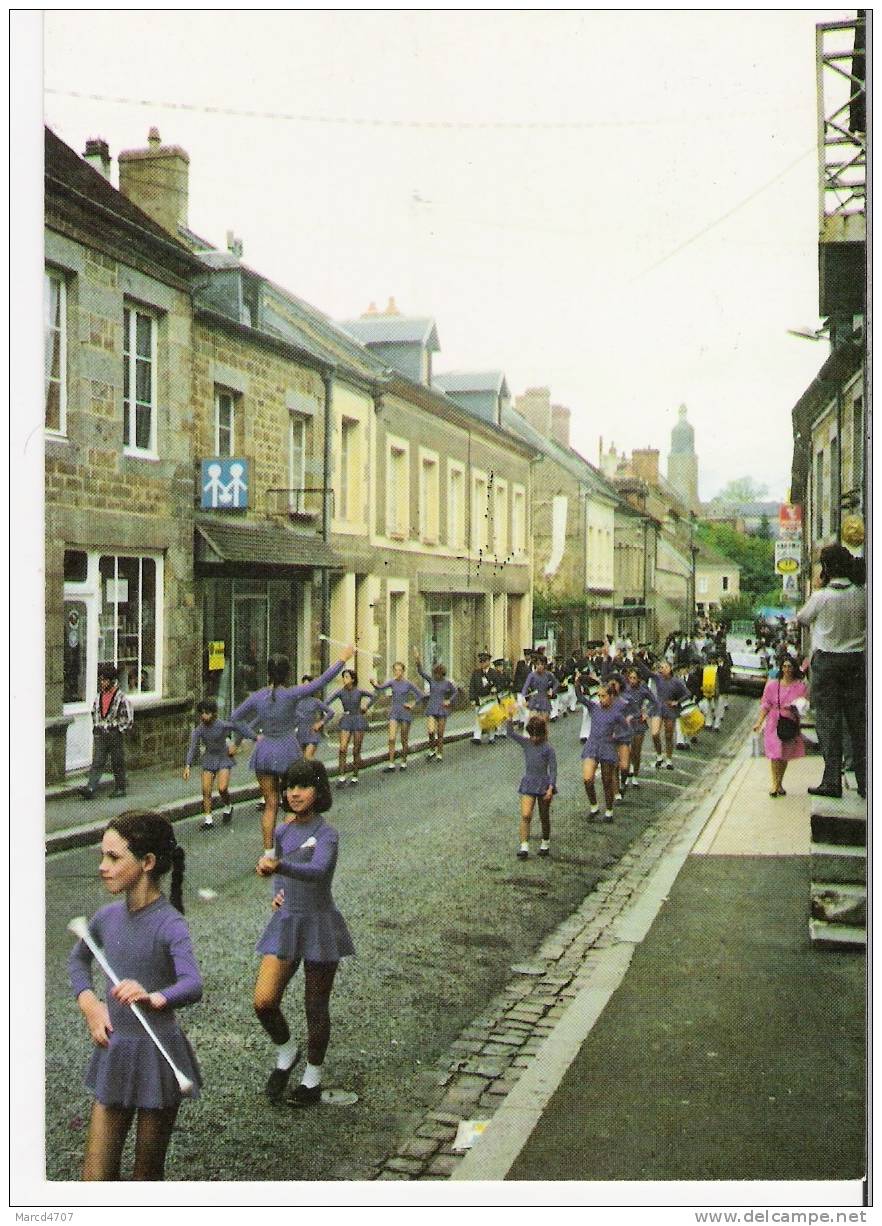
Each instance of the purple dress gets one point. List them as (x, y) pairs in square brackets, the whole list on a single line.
[(307, 926), (540, 765), (777, 700), (608, 728), (213, 737), (271, 711), (309, 712), (353, 718), (667, 689), (400, 690), (634, 696), (153, 946), (439, 693), (544, 686)]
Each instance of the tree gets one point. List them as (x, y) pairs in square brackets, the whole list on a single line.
[(755, 556), (742, 489), (764, 531)]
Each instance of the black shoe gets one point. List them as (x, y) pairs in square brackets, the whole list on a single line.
[(86, 794), (228, 816), (206, 824), (305, 1096), (822, 791), (278, 1080)]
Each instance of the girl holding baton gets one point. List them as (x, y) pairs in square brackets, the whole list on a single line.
[(305, 927), (148, 942)]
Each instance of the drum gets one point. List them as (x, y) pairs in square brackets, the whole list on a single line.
[(496, 713), (709, 681), (691, 719)]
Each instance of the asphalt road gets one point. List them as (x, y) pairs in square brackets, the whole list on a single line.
[(439, 909)]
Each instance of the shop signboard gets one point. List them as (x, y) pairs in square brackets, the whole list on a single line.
[(791, 585), (788, 557), (225, 484)]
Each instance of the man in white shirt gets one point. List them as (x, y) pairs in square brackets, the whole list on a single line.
[(837, 616)]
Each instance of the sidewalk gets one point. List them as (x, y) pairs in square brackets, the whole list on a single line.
[(74, 822), (721, 1045)]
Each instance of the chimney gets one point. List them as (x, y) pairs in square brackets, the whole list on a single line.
[(97, 154), (372, 310), (235, 246), (391, 309), (644, 462), (535, 407), (560, 424), (156, 179)]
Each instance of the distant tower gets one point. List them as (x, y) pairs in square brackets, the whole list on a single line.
[(683, 462)]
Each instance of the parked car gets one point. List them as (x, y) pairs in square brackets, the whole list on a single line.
[(750, 661)]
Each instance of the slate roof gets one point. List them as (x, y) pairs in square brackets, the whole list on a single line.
[(471, 381), (267, 543), (567, 457), (393, 330)]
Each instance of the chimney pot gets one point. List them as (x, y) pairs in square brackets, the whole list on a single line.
[(392, 309), (156, 179), (97, 154), (153, 137)]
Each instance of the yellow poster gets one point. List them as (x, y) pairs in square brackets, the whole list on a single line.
[(216, 659)]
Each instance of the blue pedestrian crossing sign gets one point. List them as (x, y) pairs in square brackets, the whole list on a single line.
[(225, 484)]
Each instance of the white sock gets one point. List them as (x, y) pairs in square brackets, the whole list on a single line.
[(312, 1076), (286, 1053), (525, 846), (544, 845)]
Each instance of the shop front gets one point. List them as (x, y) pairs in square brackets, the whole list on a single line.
[(261, 596)]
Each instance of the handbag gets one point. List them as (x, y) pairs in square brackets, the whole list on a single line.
[(787, 728)]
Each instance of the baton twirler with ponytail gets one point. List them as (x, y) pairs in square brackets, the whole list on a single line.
[(137, 1064)]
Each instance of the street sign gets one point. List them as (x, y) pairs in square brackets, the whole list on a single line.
[(791, 585), (225, 484), (788, 557), (789, 520)]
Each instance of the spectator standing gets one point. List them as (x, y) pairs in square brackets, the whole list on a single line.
[(112, 717)]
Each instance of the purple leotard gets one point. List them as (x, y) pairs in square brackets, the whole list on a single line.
[(633, 698), (544, 686), (607, 728), (400, 691), (213, 737), (540, 765), (667, 689), (440, 692), (151, 945), (353, 718), (272, 712), (308, 924), (308, 713)]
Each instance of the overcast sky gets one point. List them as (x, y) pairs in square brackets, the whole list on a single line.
[(654, 252)]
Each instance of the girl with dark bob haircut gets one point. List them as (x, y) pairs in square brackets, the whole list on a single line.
[(310, 773)]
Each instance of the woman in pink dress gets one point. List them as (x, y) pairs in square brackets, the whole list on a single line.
[(778, 698)]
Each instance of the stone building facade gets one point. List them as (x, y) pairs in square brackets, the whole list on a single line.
[(118, 473)]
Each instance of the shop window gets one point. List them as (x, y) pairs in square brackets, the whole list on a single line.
[(139, 382), (55, 352), (127, 635)]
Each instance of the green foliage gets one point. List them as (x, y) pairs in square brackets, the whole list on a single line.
[(736, 608), (742, 489), (754, 554), (764, 531)]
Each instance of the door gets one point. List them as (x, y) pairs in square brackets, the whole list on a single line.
[(250, 616), (438, 648), (80, 664)]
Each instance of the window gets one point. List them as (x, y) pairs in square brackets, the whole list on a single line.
[(296, 462), (519, 520), (480, 512), (702, 586), (397, 490), (500, 519), (127, 619), (348, 503), (139, 382), (455, 506), (224, 422), (55, 352), (725, 583), (429, 497), (818, 495)]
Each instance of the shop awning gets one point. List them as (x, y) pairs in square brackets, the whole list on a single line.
[(261, 544)]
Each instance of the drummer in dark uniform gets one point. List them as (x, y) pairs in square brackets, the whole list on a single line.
[(484, 684)]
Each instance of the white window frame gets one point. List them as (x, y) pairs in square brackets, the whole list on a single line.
[(400, 447), (518, 520), (233, 398), (296, 477), (53, 276), (702, 585), (350, 449), (134, 309), (94, 581), (456, 505), (429, 485), (500, 522), (480, 528)]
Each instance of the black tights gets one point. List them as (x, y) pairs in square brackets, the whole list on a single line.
[(272, 979)]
